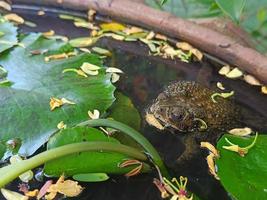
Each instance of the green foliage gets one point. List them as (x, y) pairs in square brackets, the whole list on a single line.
[(25, 111), (91, 177), (232, 8), (8, 35), (86, 162), (251, 15), (244, 177), (124, 111)]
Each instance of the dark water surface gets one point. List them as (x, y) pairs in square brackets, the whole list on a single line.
[(144, 78)]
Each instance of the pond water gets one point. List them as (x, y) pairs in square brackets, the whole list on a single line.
[(145, 76)]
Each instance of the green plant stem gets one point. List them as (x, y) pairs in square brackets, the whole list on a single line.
[(11, 172), (139, 138)]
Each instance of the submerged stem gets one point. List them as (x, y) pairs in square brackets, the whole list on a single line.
[(139, 138), (11, 172)]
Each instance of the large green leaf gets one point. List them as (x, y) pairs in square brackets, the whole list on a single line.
[(25, 111), (8, 35), (88, 162), (244, 177), (232, 8), (124, 111)]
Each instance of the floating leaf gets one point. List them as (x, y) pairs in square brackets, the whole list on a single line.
[(35, 82), (71, 17), (244, 177), (102, 51), (92, 177), (9, 35), (86, 162), (82, 41), (123, 110)]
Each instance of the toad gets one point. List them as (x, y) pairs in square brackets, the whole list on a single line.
[(187, 107)]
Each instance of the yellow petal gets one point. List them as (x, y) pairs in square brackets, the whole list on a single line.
[(150, 36), (184, 46), (94, 115), (234, 148), (48, 33), (113, 70), (61, 125), (91, 14), (115, 77), (133, 30), (113, 26), (10, 195), (211, 148), (69, 188), (117, 37), (220, 86), (224, 70), (55, 103), (264, 89), (251, 80), (197, 53), (33, 193), (211, 165), (150, 118), (234, 73), (161, 37), (81, 73), (14, 18), (41, 13), (5, 5), (241, 131), (66, 101), (90, 69)]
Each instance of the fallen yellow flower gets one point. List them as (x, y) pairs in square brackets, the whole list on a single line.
[(66, 187), (55, 103)]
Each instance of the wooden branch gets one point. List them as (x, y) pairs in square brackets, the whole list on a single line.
[(203, 38)]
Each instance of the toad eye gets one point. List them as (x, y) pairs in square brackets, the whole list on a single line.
[(176, 117)]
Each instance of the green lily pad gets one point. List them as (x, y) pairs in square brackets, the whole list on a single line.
[(8, 35), (123, 110), (244, 177), (92, 177), (25, 111), (87, 162)]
